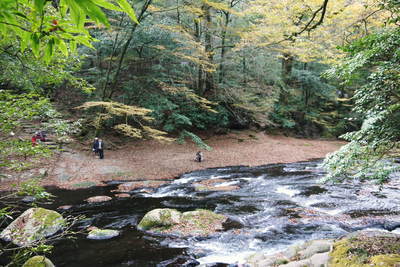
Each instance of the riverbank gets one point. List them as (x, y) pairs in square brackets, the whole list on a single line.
[(150, 160)]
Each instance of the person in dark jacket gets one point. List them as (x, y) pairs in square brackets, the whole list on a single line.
[(100, 148)]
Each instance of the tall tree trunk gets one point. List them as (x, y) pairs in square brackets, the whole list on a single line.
[(223, 48), (287, 66), (209, 77), (200, 81)]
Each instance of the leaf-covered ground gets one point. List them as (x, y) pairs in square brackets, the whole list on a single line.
[(150, 160)]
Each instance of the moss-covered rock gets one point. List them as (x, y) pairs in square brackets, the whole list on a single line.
[(386, 260), (101, 234), (159, 218), (169, 221), (365, 249), (38, 261), (33, 225)]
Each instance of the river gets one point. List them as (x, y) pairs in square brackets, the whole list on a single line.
[(275, 206)]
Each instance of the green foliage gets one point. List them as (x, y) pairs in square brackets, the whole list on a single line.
[(197, 140), (16, 108), (365, 157), (47, 26), (32, 188)]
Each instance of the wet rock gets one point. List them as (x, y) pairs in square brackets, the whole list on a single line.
[(98, 199), (29, 199), (33, 225), (215, 185), (130, 186), (160, 218), (231, 223), (38, 261), (101, 234), (183, 261), (64, 207), (191, 223)]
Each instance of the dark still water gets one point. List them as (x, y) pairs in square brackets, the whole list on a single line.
[(277, 205)]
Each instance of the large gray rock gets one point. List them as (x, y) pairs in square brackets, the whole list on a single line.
[(314, 247), (160, 218), (33, 225), (192, 223), (314, 253), (38, 261), (317, 260)]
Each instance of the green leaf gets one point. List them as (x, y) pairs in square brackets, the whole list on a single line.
[(128, 9), (35, 41), (25, 38), (77, 14), (49, 51), (93, 11), (39, 5), (106, 4), (62, 46)]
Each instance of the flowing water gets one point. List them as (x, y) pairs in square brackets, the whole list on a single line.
[(274, 206)]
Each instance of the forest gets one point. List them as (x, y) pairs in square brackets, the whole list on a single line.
[(177, 71)]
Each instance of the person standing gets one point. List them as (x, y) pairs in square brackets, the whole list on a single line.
[(100, 148), (34, 140), (95, 145)]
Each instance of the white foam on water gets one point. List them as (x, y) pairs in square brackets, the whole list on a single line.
[(396, 231), (185, 180), (287, 191), (310, 202), (226, 184), (290, 169), (175, 193), (332, 212)]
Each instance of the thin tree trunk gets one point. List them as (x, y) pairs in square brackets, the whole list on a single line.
[(109, 67), (223, 48), (125, 48), (209, 77), (200, 83)]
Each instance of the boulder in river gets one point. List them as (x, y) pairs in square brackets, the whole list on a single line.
[(38, 261), (33, 225), (160, 218), (101, 234), (98, 199), (313, 253), (169, 221), (367, 248)]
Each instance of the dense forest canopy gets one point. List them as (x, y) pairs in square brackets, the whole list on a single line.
[(178, 68)]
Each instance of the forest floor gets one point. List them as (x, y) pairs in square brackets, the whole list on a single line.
[(150, 160)]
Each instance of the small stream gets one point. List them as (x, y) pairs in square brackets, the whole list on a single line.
[(276, 206)]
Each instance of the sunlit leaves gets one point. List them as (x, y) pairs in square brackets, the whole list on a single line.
[(46, 27)]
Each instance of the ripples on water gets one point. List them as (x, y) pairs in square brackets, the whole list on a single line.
[(278, 205)]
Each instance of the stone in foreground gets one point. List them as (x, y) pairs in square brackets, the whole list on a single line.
[(33, 225), (38, 261), (102, 234), (191, 223), (97, 199)]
